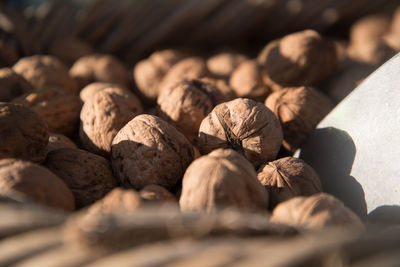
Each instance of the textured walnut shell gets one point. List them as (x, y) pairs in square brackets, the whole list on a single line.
[(223, 93), (88, 175), (288, 177), (149, 72), (91, 89), (58, 108), (99, 68), (301, 58), (156, 193), (299, 109), (103, 115), (222, 179), (316, 211), (70, 49), (58, 141), (117, 200), (366, 40), (35, 183), (247, 81), (148, 150), (185, 104), (222, 65), (12, 85), (244, 125), (45, 71), (188, 68), (23, 134)]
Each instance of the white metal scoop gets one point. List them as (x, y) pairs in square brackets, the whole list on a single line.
[(356, 148)]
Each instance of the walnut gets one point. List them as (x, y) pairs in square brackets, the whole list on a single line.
[(316, 211), (244, 125), (23, 134), (185, 104), (88, 175), (58, 108), (156, 193), (366, 40), (45, 71), (188, 68), (301, 58), (288, 177), (299, 110), (70, 49), (222, 179), (103, 115), (223, 92), (92, 88), (35, 183), (148, 150), (222, 65), (57, 141), (117, 200), (12, 85), (100, 68), (247, 81), (149, 72)]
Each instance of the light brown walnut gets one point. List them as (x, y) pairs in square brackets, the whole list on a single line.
[(23, 134), (223, 64), (148, 150), (88, 175), (222, 179), (244, 125), (91, 89), (156, 193)]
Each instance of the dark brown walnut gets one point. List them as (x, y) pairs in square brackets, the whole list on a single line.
[(222, 65), (301, 58), (70, 49), (148, 150), (100, 68), (219, 180), (247, 81), (288, 177), (244, 125), (316, 211), (45, 71), (35, 183), (224, 92), (57, 107), (23, 134), (58, 141), (299, 109), (149, 72), (103, 115), (188, 68), (88, 175), (12, 85), (117, 200), (366, 40), (156, 193), (185, 103), (92, 88)]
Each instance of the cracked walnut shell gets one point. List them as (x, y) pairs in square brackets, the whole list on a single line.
[(315, 212), (35, 183), (299, 110), (247, 126), (45, 71), (288, 177), (222, 179), (103, 115), (300, 58), (148, 150), (88, 175), (23, 134)]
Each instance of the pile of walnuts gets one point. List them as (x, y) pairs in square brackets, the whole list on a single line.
[(202, 133)]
